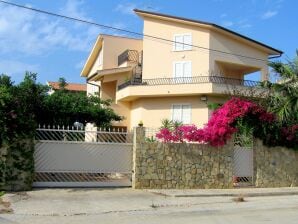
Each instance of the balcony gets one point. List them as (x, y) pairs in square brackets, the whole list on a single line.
[(128, 56), (190, 80), (180, 86)]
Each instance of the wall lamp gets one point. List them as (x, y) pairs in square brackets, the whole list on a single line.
[(204, 98)]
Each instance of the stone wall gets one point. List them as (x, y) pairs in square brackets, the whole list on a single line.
[(275, 166), (185, 166), (171, 165), (17, 165)]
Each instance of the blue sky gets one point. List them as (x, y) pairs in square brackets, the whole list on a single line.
[(56, 48)]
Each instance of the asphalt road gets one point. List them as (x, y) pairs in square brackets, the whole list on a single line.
[(63, 206)]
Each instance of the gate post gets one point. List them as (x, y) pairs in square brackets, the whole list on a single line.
[(138, 140), (90, 133)]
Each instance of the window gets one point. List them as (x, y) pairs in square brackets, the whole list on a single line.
[(100, 57), (181, 113), (182, 42), (182, 72), (182, 69)]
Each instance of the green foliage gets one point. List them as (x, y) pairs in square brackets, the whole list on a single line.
[(150, 139), (283, 100), (62, 83), (213, 106), (64, 107), (17, 129), (170, 124), (245, 131), (2, 193)]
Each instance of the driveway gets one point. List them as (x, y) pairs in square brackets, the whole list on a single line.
[(136, 206)]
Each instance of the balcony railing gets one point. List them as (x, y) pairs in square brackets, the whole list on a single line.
[(190, 80), (128, 55)]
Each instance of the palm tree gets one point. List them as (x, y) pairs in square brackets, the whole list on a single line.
[(283, 100)]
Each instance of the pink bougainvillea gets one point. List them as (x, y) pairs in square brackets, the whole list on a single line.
[(221, 125)]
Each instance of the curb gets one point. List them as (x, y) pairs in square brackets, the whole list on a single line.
[(210, 193), (235, 194)]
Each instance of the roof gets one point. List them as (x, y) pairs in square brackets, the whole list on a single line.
[(142, 12), (70, 86)]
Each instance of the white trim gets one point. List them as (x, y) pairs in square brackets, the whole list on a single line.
[(174, 42), (174, 67), (181, 104)]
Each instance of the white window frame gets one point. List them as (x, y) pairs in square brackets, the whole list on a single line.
[(188, 48), (182, 104), (189, 79)]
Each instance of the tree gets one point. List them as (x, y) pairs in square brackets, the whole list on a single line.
[(62, 83), (283, 100), (65, 108)]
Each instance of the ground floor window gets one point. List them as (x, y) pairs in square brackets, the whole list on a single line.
[(181, 113)]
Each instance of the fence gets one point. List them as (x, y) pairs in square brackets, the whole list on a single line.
[(67, 133)]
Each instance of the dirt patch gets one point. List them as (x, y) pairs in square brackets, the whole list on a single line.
[(5, 207), (240, 198)]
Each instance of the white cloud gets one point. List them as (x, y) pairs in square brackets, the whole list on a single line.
[(244, 23), (16, 69), (73, 8), (269, 14), (126, 8), (29, 33), (223, 15), (227, 23)]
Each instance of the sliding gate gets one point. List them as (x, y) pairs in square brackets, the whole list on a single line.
[(79, 158)]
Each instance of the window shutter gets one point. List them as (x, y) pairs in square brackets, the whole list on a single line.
[(186, 114), (176, 113), (178, 43), (187, 39), (187, 69)]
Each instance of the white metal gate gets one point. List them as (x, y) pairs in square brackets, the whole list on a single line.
[(80, 158), (243, 167)]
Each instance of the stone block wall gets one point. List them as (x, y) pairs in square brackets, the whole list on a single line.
[(181, 166), (17, 165), (186, 166), (275, 166)]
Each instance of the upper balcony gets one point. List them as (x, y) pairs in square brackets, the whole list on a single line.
[(196, 85)]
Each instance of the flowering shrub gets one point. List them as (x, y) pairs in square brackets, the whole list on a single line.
[(221, 126)]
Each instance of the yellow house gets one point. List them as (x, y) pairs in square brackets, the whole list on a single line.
[(174, 71)]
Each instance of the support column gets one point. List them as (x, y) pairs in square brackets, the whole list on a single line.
[(138, 140), (264, 74)]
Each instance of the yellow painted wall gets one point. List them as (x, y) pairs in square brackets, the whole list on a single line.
[(96, 66), (114, 46), (230, 44), (159, 55), (152, 110), (121, 108)]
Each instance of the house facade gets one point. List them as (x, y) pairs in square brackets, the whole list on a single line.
[(179, 67)]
